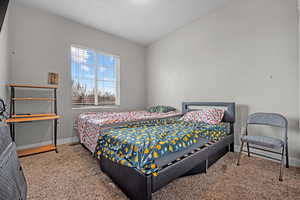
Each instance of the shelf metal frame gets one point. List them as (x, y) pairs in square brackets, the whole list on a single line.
[(34, 117)]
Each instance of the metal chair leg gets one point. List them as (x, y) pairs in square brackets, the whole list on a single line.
[(287, 165), (238, 162), (248, 149), (282, 164)]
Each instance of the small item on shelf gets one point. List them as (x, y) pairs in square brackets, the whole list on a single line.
[(53, 78)]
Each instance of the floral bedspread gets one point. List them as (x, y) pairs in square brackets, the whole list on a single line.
[(139, 144), (90, 125)]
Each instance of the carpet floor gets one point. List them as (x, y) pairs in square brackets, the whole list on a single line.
[(74, 174)]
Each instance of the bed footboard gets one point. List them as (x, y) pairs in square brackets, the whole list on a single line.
[(179, 168), (133, 183), (138, 186)]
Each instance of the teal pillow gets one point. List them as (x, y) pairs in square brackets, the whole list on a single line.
[(160, 109)]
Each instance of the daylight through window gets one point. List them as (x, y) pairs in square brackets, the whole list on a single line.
[(95, 78)]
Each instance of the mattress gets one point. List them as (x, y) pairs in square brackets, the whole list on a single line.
[(90, 125), (149, 145)]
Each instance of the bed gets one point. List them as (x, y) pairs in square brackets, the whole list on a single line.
[(144, 156), (89, 125)]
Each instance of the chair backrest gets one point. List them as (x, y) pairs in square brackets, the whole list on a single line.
[(270, 119)]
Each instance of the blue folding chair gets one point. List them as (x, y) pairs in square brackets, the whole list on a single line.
[(269, 119)]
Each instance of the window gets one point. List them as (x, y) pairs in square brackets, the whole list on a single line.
[(95, 78)]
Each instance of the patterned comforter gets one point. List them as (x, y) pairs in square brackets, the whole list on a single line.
[(90, 125), (139, 144)]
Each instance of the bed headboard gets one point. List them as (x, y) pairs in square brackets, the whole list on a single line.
[(229, 115)]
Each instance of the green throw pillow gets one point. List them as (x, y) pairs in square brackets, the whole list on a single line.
[(160, 109)]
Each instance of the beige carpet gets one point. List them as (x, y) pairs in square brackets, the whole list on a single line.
[(74, 174)]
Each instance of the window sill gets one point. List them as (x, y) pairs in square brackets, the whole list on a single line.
[(96, 107)]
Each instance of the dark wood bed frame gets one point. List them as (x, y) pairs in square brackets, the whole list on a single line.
[(138, 186)]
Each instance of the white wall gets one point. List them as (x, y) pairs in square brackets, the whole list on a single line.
[(4, 59), (40, 43), (246, 52)]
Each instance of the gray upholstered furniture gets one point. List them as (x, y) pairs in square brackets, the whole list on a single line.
[(12, 180), (268, 119)]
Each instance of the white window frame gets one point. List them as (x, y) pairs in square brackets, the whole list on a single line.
[(118, 99)]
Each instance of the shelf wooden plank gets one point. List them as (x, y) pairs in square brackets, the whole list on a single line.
[(33, 86), (29, 119), (33, 115), (27, 152), (33, 99)]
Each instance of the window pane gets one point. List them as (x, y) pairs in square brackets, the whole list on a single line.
[(79, 55), (109, 84), (75, 71), (106, 67), (106, 74), (90, 68), (86, 72), (101, 72), (110, 91), (103, 85), (90, 57), (100, 60), (106, 93), (109, 74), (106, 61), (83, 92)]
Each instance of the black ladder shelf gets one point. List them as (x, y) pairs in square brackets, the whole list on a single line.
[(21, 118)]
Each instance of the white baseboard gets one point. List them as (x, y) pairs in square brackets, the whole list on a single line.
[(59, 142), (292, 161)]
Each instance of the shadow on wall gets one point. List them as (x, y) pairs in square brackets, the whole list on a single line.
[(293, 124), (242, 112)]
